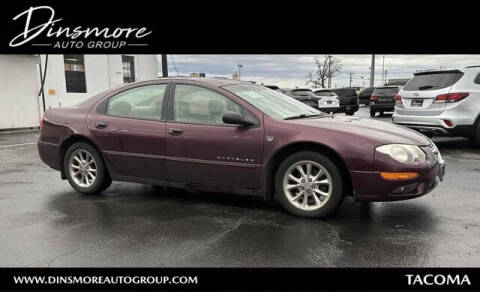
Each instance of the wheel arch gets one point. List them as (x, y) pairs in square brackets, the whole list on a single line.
[(75, 138), (282, 153)]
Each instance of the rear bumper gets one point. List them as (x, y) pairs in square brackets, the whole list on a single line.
[(462, 126), (371, 187), (348, 107), (383, 106), (49, 154)]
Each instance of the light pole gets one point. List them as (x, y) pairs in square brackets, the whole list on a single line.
[(386, 80), (372, 71), (239, 67)]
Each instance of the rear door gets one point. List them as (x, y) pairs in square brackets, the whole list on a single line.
[(419, 94), (129, 127)]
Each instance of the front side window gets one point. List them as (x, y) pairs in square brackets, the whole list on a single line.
[(273, 103), (143, 102), (75, 73), (198, 105)]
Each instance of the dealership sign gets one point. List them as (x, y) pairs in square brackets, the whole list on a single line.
[(77, 37)]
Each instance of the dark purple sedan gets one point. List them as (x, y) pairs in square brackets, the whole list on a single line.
[(237, 137)]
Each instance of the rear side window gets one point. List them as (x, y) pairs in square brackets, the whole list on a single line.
[(143, 102), (433, 80), (477, 80), (385, 91)]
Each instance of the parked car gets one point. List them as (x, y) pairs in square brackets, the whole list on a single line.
[(225, 135), (348, 100), (442, 102), (328, 101), (274, 87), (382, 100), (365, 94), (304, 95)]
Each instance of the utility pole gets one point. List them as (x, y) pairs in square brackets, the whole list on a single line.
[(239, 67), (386, 72), (383, 69), (372, 71), (350, 79), (329, 60), (164, 66)]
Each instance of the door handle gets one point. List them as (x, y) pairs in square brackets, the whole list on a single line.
[(175, 132), (100, 125)]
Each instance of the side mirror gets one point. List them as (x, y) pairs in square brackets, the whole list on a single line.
[(234, 118)]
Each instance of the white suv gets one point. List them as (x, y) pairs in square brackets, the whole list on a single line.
[(441, 102)]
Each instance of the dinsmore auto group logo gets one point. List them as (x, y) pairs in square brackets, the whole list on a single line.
[(78, 37)]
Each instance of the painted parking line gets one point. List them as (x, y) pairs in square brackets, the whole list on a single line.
[(16, 145)]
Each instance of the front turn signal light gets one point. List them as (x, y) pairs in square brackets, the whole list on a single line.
[(398, 175)]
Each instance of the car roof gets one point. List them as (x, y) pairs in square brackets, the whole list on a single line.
[(215, 82)]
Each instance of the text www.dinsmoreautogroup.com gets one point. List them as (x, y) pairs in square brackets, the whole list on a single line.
[(105, 280)]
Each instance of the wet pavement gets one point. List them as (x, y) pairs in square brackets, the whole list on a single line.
[(43, 222)]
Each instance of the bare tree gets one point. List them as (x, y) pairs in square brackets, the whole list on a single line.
[(325, 70)]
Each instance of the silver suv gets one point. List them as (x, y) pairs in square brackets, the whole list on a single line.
[(441, 102)]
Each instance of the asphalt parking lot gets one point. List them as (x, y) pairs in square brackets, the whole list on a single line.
[(43, 222)]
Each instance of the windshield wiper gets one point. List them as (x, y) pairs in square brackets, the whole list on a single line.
[(303, 116)]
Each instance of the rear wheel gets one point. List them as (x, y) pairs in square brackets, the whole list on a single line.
[(350, 112), (85, 169), (309, 184), (475, 138), (372, 113)]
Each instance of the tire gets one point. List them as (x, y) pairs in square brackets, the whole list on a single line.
[(372, 113), (292, 199), (85, 176), (475, 138), (381, 113), (350, 113)]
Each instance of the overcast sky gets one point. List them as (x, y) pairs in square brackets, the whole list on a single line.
[(290, 70)]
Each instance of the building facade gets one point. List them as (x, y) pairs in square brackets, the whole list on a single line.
[(69, 79)]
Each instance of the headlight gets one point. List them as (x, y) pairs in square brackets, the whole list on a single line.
[(407, 154)]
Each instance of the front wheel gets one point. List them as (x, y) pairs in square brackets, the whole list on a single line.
[(309, 184), (85, 169)]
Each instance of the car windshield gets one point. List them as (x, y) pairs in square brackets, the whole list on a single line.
[(325, 93), (302, 92), (432, 80), (386, 91), (273, 103), (344, 92)]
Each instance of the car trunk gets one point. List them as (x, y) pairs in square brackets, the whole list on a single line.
[(385, 95), (419, 93)]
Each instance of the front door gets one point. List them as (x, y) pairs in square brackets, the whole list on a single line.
[(130, 131), (202, 149)]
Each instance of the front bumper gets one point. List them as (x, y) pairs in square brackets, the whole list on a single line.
[(370, 186)]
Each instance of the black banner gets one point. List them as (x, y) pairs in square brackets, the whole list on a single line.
[(245, 27), (241, 279)]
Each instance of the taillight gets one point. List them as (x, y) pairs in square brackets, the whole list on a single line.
[(42, 121), (373, 97), (398, 99), (450, 97)]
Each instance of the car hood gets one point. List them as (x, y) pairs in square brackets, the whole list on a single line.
[(381, 132)]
